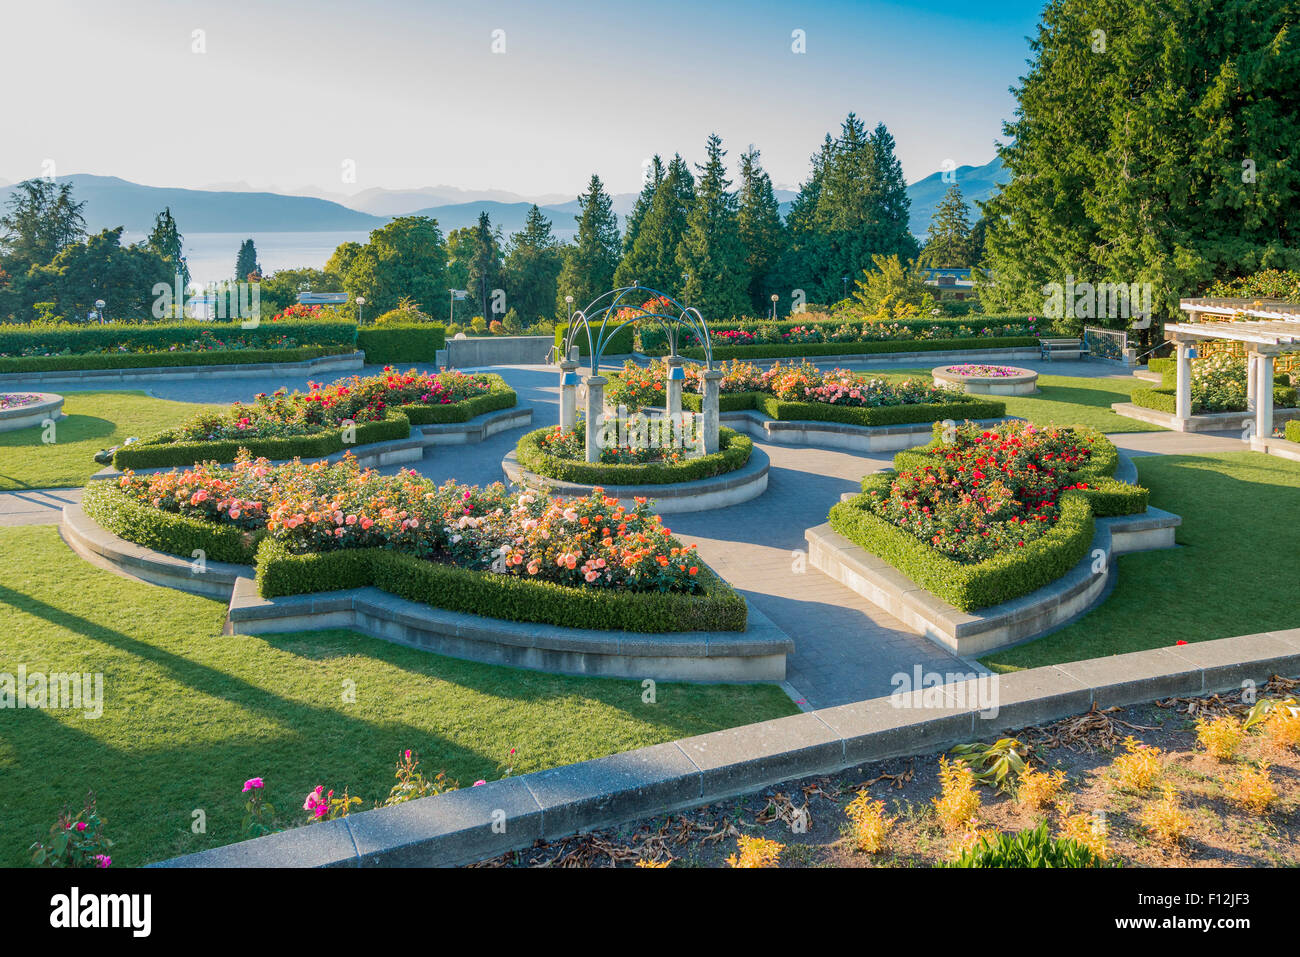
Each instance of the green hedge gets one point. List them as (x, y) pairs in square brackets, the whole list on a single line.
[(880, 347), (621, 342), (509, 597), (969, 586), (1165, 399), (499, 396), (159, 451), (79, 339), (1005, 576), (418, 342), (974, 407), (654, 340), (154, 360), (733, 452), (1292, 431), (727, 401), (167, 532)]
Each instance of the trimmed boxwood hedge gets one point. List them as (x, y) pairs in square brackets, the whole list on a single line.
[(1292, 431), (719, 608), (727, 401), (971, 407), (1165, 399), (159, 451), (167, 531), (878, 347), (733, 452), (1010, 574), (418, 342), (499, 396), (155, 360)]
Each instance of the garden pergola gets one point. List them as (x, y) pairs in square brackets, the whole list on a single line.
[(1266, 328)]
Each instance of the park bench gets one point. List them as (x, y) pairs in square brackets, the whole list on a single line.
[(1064, 348)]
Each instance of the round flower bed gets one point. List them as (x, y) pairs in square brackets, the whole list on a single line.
[(987, 379), (21, 410), (641, 460)]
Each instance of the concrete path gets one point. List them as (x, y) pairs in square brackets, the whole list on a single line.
[(846, 648)]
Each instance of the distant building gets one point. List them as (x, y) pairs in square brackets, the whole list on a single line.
[(956, 283), (322, 298)]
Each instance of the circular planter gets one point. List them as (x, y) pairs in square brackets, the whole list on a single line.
[(1017, 381), (47, 406), (730, 488)]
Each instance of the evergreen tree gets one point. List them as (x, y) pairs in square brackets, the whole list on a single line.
[(484, 262), (42, 221), (532, 267), (246, 263), (761, 230), (803, 264), (711, 253), (652, 260), (165, 239), (948, 241), (654, 176), (1164, 157), (589, 264)]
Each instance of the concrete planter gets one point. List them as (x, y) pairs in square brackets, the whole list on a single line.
[(1021, 382), (473, 351), (47, 406), (731, 488), (1203, 422)]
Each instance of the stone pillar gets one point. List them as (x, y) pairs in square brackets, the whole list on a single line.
[(1183, 390), (1264, 396), (595, 414), (673, 383), (568, 394), (709, 410)]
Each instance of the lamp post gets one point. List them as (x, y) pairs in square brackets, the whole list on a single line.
[(568, 301), (775, 297), (846, 287), (99, 308), (361, 301)]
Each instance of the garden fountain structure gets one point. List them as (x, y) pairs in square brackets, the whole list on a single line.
[(600, 322)]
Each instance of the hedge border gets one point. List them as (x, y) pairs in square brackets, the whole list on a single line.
[(175, 534), (1007, 575), (876, 347), (1292, 430), (155, 360), (733, 452), (416, 342), (499, 396), (157, 452), (621, 342), (511, 598)]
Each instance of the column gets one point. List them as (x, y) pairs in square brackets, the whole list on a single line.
[(1251, 381), (673, 386), (1183, 402), (568, 394), (1264, 396), (709, 410), (595, 415)]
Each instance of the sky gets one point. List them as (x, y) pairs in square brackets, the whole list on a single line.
[(339, 96)]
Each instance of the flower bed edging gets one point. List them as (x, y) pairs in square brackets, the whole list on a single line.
[(464, 826), (836, 435), (49, 406), (719, 491), (1202, 422)]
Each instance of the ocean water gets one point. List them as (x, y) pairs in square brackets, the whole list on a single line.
[(211, 256)]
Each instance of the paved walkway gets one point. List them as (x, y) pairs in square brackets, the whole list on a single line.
[(846, 649)]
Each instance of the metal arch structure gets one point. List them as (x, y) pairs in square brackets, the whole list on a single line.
[(595, 322)]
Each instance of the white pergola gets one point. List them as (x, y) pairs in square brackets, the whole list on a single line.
[(1265, 327)]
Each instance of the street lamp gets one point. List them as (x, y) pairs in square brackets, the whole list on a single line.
[(846, 287), (99, 308), (775, 297), (569, 302), (361, 301)]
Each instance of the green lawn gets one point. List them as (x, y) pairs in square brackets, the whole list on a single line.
[(1234, 574), (1070, 400), (94, 420), (190, 714)]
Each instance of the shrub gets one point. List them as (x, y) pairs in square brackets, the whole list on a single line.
[(621, 339), (172, 338), (756, 852), (402, 343), (957, 803), (1035, 848), (1038, 789), (1221, 736), (182, 535), (1292, 431), (75, 841), (157, 360), (1089, 830), (1252, 789), (1165, 818), (870, 824), (1139, 767), (532, 453)]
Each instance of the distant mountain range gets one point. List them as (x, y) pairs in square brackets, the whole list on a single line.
[(237, 208)]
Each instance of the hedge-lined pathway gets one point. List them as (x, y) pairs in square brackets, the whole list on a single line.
[(846, 648)]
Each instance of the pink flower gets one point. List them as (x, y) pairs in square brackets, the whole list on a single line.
[(81, 826), (315, 800), (477, 783), (103, 861), (252, 784)]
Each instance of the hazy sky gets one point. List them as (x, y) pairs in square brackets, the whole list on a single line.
[(412, 93)]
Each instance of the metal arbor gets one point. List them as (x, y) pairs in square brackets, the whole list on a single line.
[(598, 322)]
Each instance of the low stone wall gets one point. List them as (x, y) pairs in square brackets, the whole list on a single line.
[(1204, 422), (836, 435), (473, 351), (50, 406), (337, 363), (473, 824), (756, 654), (1279, 447), (731, 488)]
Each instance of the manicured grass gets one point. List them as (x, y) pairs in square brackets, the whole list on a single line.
[(1235, 573), (190, 714), (1070, 400), (94, 421)]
